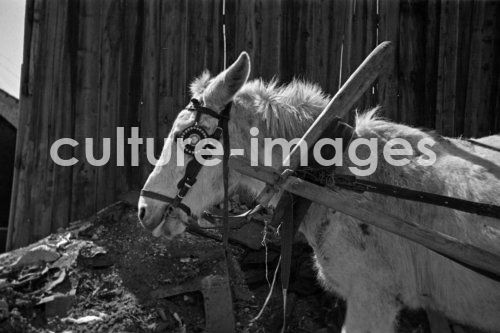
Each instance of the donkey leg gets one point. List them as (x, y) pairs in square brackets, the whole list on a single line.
[(371, 312)]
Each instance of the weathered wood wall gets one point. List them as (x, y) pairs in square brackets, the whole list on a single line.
[(91, 65)]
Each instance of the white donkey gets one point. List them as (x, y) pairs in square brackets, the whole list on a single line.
[(376, 272)]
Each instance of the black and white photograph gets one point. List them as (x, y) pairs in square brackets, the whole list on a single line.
[(250, 166)]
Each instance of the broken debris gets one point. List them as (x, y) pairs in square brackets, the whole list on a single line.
[(38, 255)]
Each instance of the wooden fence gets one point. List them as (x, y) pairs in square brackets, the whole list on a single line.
[(92, 65)]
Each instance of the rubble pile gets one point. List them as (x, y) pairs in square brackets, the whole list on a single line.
[(107, 274)]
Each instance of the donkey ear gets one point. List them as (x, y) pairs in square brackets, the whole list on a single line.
[(225, 85)]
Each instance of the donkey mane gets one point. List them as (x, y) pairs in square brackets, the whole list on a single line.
[(283, 110), (288, 110)]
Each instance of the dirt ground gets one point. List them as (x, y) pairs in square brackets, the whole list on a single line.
[(111, 273)]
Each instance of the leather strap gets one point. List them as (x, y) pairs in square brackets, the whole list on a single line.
[(291, 211), (197, 107), (225, 173), (194, 167), (164, 198)]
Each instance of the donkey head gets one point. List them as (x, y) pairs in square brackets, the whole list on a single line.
[(215, 94)]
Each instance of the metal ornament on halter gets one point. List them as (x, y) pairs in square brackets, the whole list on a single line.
[(193, 135)]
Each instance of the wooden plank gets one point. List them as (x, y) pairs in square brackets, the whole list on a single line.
[(268, 20), (255, 26), (173, 81), (463, 55), (347, 43), (109, 94), (214, 54), (25, 217), (231, 26), (370, 213), (369, 41), (388, 84), (336, 14), (317, 42), (17, 221), (495, 110), (479, 84), (132, 25), (40, 209), (300, 11), (244, 30), (360, 39), (447, 79), (428, 119), (148, 109), (60, 177), (34, 181), (202, 46), (86, 108), (288, 36), (412, 17), (200, 51)]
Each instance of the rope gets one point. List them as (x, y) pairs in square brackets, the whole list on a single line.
[(264, 243), (270, 294)]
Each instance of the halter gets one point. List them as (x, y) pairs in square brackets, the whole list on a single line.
[(196, 133)]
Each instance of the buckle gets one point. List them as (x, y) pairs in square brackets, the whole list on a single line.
[(183, 190), (217, 133), (181, 194)]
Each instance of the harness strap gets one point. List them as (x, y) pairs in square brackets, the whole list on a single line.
[(225, 172), (291, 210), (192, 170), (197, 107), (164, 198), (480, 144), (360, 185)]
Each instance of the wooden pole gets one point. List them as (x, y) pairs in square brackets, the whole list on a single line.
[(369, 213), (357, 84), (344, 99)]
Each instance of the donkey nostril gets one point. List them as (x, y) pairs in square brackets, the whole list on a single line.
[(142, 213)]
